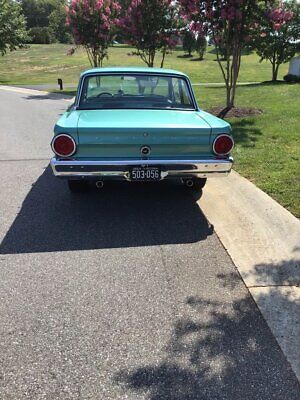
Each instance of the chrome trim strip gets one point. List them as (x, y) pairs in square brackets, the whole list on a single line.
[(200, 168), (124, 175), (141, 161)]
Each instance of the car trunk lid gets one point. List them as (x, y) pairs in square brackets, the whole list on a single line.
[(122, 133)]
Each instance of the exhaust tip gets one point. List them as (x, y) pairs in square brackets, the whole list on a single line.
[(189, 183), (99, 184)]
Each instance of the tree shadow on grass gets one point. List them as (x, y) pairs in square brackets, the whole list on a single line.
[(119, 215), (223, 350), (213, 50), (265, 83), (184, 56), (245, 132)]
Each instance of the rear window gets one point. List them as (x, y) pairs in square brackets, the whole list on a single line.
[(130, 91)]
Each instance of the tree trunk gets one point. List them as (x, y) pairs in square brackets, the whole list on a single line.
[(274, 77), (95, 59), (88, 52), (230, 74), (236, 63), (230, 71), (163, 58), (152, 58), (228, 95), (229, 101), (275, 68)]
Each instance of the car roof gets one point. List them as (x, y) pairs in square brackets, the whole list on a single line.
[(133, 70)]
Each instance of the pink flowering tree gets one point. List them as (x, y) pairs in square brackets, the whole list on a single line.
[(278, 37), (93, 23), (150, 26), (230, 25)]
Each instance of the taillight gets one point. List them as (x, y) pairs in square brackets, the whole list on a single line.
[(223, 145), (63, 145)]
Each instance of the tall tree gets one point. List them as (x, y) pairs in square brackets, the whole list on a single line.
[(58, 29), (201, 46), (92, 23), (278, 37), (46, 20), (37, 11), (188, 42), (150, 26), (12, 26), (230, 24)]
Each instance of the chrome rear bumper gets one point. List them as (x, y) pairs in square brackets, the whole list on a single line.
[(119, 169)]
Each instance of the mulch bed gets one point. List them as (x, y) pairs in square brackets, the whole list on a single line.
[(236, 112)]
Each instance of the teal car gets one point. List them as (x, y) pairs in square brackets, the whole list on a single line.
[(139, 124)]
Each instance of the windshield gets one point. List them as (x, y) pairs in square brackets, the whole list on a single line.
[(135, 91)]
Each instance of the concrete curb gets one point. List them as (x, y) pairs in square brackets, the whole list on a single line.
[(263, 240), (40, 93)]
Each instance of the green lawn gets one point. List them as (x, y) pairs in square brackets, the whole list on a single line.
[(44, 64), (268, 148)]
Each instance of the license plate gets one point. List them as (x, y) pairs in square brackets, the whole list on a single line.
[(145, 174)]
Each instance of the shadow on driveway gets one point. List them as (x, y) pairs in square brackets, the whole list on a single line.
[(119, 215), (223, 350), (49, 96)]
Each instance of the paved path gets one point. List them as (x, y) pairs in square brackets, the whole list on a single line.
[(50, 86), (125, 293)]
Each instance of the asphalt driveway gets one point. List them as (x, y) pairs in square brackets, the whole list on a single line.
[(123, 293)]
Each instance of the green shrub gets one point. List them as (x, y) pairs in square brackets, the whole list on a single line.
[(188, 42), (39, 35), (201, 45), (58, 30)]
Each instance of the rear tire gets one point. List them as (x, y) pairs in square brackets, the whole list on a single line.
[(77, 186)]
